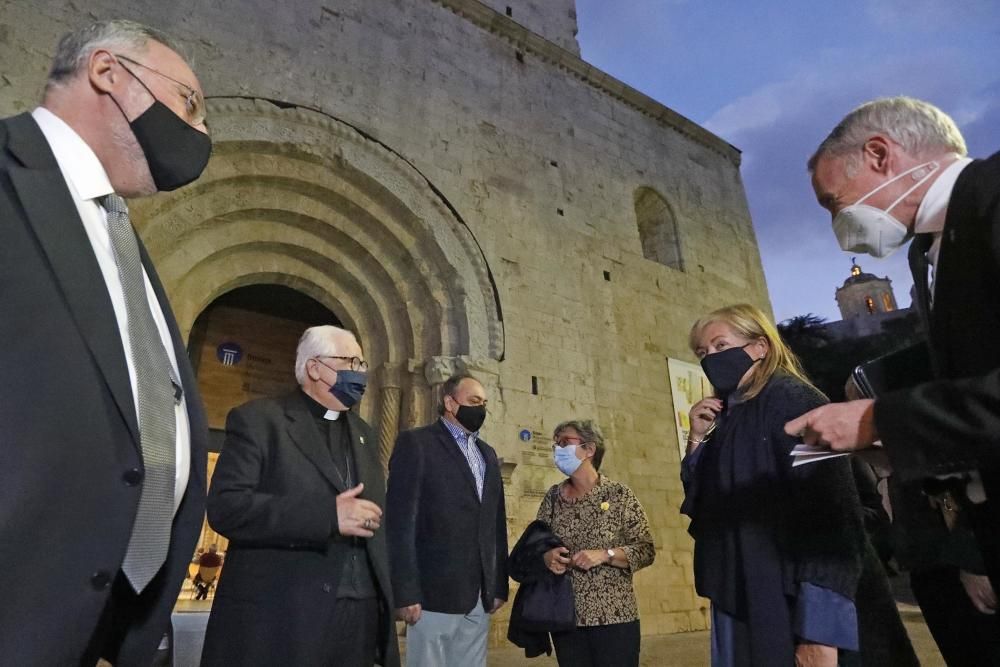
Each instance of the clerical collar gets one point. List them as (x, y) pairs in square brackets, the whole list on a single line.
[(318, 410)]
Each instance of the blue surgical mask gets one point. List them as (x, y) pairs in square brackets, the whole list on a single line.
[(565, 458), (349, 387)]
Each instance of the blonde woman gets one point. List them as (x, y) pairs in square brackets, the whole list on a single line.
[(778, 550)]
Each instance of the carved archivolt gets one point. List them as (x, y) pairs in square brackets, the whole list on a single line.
[(294, 197)]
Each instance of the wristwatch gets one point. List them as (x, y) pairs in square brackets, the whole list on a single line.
[(611, 555)]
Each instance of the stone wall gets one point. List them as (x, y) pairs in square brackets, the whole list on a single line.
[(536, 155), (555, 20)]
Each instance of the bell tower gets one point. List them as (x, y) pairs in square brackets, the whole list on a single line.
[(864, 294)]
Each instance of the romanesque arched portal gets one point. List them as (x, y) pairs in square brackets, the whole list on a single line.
[(294, 197)]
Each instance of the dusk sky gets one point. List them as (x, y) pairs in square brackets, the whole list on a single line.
[(773, 78)]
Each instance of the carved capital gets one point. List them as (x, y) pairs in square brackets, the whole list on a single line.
[(439, 369)]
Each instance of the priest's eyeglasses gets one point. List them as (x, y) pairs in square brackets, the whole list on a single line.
[(356, 364)]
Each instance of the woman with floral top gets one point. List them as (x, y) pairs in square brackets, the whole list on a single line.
[(606, 537)]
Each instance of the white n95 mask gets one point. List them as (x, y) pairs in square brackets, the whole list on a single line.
[(863, 228)]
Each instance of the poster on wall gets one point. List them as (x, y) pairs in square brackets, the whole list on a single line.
[(688, 385)]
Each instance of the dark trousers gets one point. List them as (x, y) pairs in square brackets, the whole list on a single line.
[(983, 518), (965, 637), (122, 607), (354, 631), (202, 588), (881, 632), (615, 645)]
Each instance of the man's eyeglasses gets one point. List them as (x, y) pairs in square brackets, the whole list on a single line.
[(356, 364), (194, 103)]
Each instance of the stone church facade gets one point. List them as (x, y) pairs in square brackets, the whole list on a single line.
[(450, 180)]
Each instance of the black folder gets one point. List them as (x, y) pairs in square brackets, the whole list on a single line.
[(903, 368)]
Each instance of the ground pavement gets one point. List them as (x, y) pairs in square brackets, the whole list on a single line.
[(691, 648)]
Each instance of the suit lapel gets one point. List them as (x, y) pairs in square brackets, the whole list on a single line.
[(957, 255), (361, 453), (52, 213), (446, 440), (303, 432)]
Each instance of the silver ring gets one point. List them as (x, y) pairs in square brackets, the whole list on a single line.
[(368, 524)]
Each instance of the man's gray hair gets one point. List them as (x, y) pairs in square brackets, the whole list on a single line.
[(589, 432), (318, 341), (74, 48), (920, 128)]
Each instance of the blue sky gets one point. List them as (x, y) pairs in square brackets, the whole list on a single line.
[(772, 78)]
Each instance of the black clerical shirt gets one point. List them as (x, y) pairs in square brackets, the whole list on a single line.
[(356, 581)]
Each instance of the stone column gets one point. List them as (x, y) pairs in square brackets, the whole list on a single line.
[(390, 399)]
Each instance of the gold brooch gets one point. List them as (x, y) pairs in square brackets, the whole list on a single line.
[(605, 506)]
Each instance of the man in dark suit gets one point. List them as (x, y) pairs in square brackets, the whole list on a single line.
[(895, 168), (447, 530), (102, 450), (298, 491)]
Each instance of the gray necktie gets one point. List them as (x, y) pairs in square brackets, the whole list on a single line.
[(150, 540)]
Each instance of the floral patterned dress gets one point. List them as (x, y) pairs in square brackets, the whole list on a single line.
[(609, 516)]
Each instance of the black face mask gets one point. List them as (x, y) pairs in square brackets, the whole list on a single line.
[(725, 369), (471, 417), (175, 152)]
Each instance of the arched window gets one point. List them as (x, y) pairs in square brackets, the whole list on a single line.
[(657, 229), (887, 302), (870, 304)]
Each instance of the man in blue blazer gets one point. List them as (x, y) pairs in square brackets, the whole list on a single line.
[(447, 529)]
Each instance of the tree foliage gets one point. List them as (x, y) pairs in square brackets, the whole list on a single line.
[(829, 361)]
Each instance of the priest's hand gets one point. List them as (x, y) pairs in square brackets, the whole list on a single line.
[(357, 517)]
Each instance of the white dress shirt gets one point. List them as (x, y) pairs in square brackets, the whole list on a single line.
[(934, 209), (87, 182)]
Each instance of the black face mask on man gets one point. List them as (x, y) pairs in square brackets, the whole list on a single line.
[(175, 152), (725, 369), (471, 417)]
